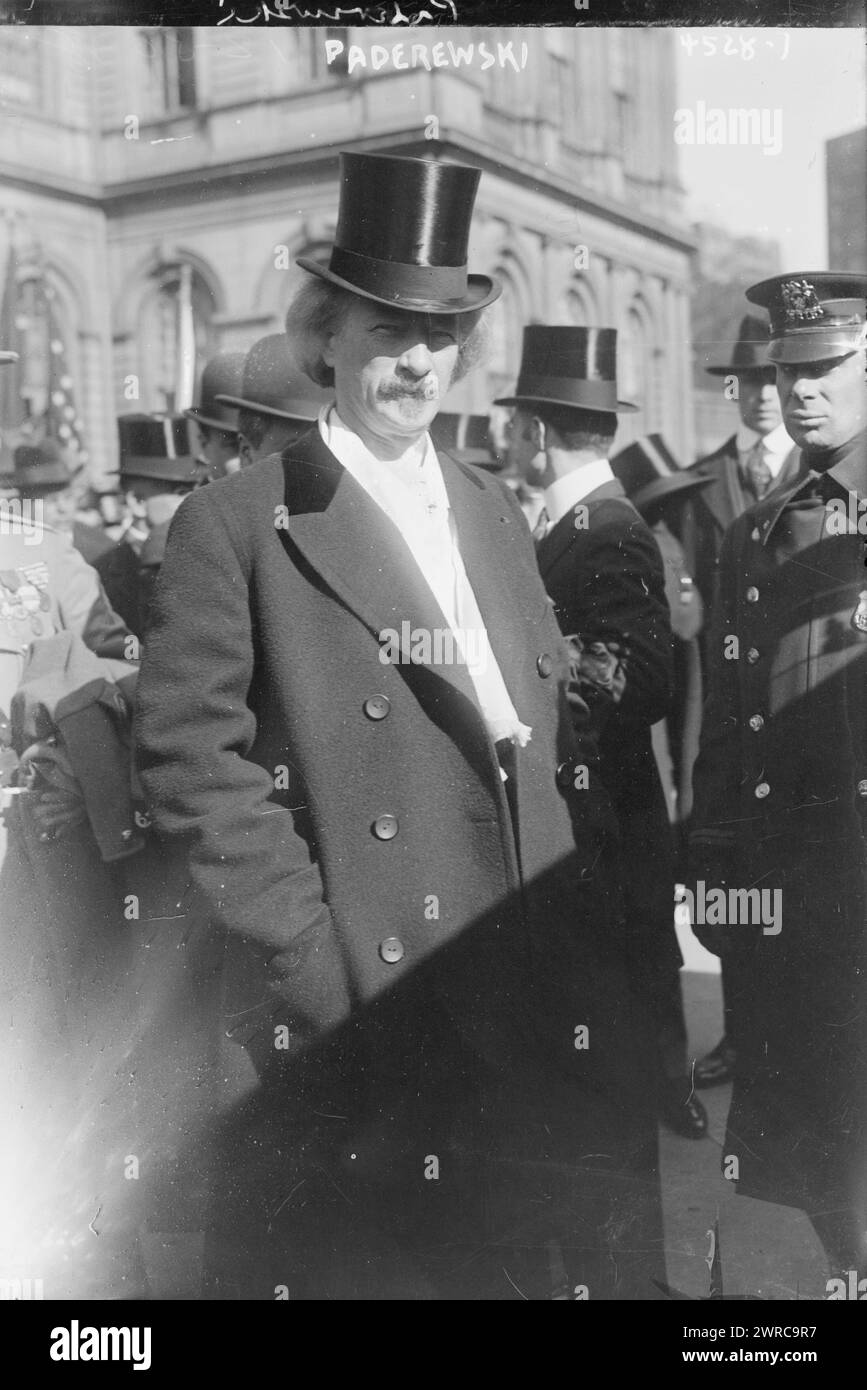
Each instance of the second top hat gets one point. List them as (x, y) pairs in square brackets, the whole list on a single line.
[(567, 366), (156, 447), (402, 234)]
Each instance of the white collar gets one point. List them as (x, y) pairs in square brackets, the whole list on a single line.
[(777, 442), (572, 488)]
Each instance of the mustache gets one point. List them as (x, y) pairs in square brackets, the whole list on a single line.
[(426, 390)]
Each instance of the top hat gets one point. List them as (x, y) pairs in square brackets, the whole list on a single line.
[(41, 467), (813, 315), (157, 447), (7, 357), (222, 374), (273, 385), (402, 233), (649, 472), (574, 367), (750, 351), (466, 437)]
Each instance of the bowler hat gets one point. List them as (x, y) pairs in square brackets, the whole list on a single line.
[(750, 351), (814, 314), (41, 466), (649, 471), (157, 447), (466, 437), (273, 385), (575, 367), (222, 374), (402, 233)]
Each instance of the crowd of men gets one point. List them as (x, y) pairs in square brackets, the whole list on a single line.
[(348, 777)]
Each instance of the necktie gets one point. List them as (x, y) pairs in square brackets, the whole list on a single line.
[(540, 530), (758, 471)]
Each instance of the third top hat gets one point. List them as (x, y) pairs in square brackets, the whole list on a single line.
[(649, 472), (402, 234), (567, 366)]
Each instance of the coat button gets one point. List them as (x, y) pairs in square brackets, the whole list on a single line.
[(564, 775), (544, 664), (762, 790), (385, 827), (753, 655), (377, 706), (756, 722), (391, 949), (862, 787), (755, 535), (752, 595)]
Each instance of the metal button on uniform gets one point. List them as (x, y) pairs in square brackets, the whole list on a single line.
[(377, 706), (544, 664), (391, 949), (753, 655), (756, 722), (385, 827), (762, 790), (754, 534), (862, 787), (752, 594)]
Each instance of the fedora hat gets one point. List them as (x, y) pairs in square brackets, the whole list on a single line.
[(750, 350), (40, 467), (402, 231), (466, 437), (575, 367), (222, 374), (272, 383), (156, 447), (648, 471), (814, 314)]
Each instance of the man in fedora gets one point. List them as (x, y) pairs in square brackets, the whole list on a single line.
[(216, 424), (41, 472), (275, 402), (354, 717), (157, 470), (603, 571), (781, 779), (758, 458)]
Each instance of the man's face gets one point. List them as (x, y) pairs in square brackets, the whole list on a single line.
[(216, 447), (824, 403), (392, 369), (758, 401), (59, 509)]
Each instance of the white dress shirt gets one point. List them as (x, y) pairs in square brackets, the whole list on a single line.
[(565, 493), (412, 494), (777, 447)]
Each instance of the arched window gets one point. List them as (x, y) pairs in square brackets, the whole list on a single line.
[(634, 380), (175, 338)]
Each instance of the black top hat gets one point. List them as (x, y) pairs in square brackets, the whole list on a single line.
[(751, 349), (7, 357), (649, 472), (41, 467), (402, 234), (467, 438), (221, 375), (158, 447), (273, 385), (814, 315), (574, 367)]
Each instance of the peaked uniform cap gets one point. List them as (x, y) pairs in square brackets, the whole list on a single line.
[(814, 315)]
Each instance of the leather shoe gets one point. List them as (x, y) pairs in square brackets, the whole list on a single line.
[(717, 1067), (681, 1110)]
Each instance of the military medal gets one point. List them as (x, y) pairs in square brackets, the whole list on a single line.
[(859, 617)]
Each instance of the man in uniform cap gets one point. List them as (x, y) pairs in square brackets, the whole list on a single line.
[(275, 402), (42, 473), (758, 458), (157, 471), (603, 571), (354, 714), (781, 778), (216, 424)]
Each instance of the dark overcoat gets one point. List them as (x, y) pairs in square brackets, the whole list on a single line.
[(607, 583), (424, 971), (780, 805)]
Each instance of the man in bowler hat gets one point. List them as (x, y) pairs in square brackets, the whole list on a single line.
[(275, 402), (781, 779), (215, 423), (354, 717), (602, 569)]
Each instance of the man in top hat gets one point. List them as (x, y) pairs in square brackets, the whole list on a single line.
[(466, 438), (759, 458), (157, 471), (215, 423), (275, 402), (781, 778), (42, 473), (354, 716), (603, 571)]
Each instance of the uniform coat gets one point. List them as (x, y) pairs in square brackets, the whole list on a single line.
[(781, 804), (348, 830)]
